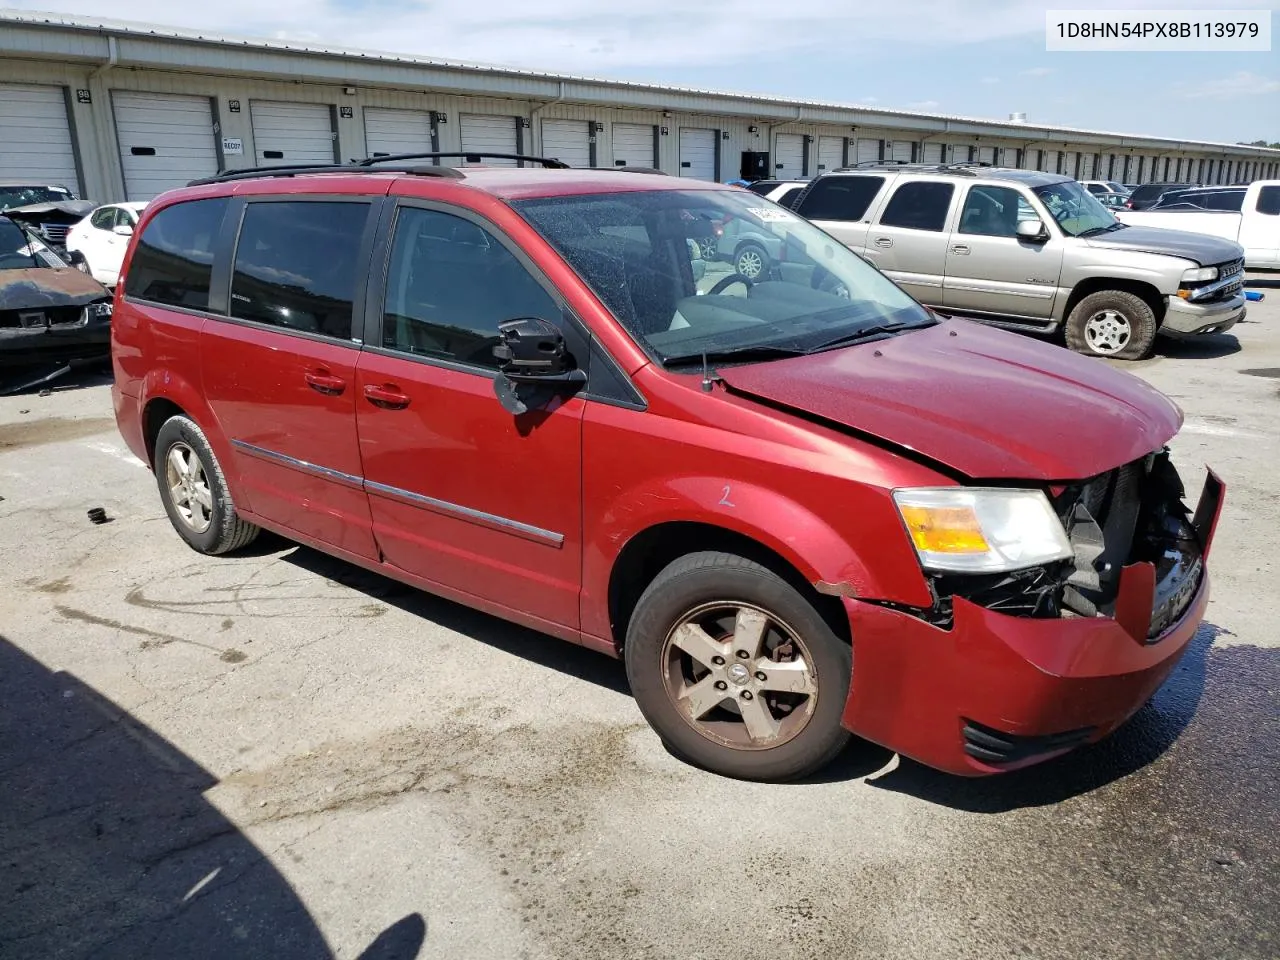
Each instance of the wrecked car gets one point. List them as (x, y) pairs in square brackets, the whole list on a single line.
[(52, 316), (50, 211), (796, 515)]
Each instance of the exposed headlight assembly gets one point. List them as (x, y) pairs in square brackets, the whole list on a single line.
[(100, 310), (981, 529), (1200, 274)]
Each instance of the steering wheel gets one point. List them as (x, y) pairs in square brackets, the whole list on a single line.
[(725, 282)]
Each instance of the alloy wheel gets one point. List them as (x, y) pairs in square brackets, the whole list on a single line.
[(750, 264), (739, 675), (189, 487), (1107, 332)]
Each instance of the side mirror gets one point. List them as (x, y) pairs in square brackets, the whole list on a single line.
[(1032, 230), (123, 230), (531, 350)]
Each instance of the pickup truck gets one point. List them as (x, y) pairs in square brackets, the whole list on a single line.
[(1029, 251), (1256, 227)]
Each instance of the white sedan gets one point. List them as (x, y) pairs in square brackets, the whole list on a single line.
[(102, 237)]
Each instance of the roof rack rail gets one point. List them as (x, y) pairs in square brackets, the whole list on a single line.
[(968, 163), (653, 170), (298, 169), (469, 156)]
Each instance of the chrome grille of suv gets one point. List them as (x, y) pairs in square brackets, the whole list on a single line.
[(55, 232)]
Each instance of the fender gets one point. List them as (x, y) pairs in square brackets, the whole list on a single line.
[(806, 541), (165, 384)]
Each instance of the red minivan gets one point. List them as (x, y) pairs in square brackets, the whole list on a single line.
[(799, 505)]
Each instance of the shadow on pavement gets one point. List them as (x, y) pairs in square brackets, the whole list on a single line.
[(1207, 347), (51, 377), (538, 648), (109, 849)]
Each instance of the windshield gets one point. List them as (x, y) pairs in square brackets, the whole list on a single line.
[(22, 196), (21, 250), (719, 271), (1076, 210)]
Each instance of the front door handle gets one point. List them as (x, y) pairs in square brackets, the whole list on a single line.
[(322, 381), (885, 242), (960, 249), (387, 396)]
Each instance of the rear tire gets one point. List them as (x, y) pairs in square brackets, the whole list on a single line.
[(194, 490), (1112, 323), (770, 709)]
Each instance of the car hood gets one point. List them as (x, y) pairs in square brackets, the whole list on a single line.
[(35, 287), (68, 211), (980, 401), (1200, 248)]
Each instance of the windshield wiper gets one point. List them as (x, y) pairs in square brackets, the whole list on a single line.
[(734, 355), (1094, 231), (867, 333)]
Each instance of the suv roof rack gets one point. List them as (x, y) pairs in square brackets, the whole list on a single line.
[(394, 163), (299, 169), (550, 163), (960, 167)]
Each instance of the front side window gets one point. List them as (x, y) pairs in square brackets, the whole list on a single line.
[(640, 254), (995, 211), (449, 284), (1269, 201), (296, 265), (840, 198), (173, 259), (920, 205)]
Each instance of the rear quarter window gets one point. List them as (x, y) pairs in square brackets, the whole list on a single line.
[(1269, 201), (173, 259), (839, 198)]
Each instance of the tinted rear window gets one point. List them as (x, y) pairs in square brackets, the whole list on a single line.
[(296, 265), (922, 205), (839, 198), (174, 256), (1269, 201)]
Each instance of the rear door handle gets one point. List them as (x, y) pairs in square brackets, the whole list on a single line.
[(387, 396), (885, 242), (960, 249), (322, 381)]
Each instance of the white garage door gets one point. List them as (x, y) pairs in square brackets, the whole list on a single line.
[(959, 153), (633, 145), (488, 134), (901, 151), (35, 138), (788, 156), (388, 132), (931, 153), (568, 141), (987, 155), (1086, 167), (868, 150), (697, 153), (166, 141), (830, 154), (292, 132)]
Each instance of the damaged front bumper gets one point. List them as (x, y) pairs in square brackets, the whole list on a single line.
[(981, 691)]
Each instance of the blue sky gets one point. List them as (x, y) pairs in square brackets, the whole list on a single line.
[(981, 58)]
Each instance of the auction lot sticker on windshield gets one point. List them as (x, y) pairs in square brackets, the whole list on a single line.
[(771, 215), (1181, 31)]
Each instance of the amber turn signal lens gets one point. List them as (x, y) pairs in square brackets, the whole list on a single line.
[(945, 529)]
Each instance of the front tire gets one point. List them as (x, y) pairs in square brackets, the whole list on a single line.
[(194, 490), (1112, 323), (736, 670)]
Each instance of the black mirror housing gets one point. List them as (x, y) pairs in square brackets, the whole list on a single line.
[(531, 349)]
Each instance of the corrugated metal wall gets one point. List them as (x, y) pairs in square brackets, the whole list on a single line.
[(96, 144)]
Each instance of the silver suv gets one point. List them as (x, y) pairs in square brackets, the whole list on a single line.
[(1030, 251)]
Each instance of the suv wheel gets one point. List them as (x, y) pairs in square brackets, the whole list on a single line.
[(194, 491), (751, 261), (736, 671), (1112, 323)]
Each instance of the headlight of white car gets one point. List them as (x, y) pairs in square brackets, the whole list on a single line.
[(981, 529), (1200, 274)]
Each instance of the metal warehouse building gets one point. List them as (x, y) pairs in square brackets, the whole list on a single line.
[(125, 111)]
